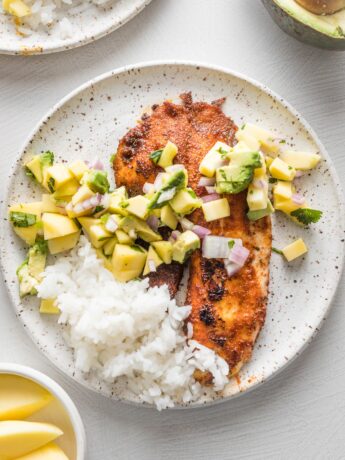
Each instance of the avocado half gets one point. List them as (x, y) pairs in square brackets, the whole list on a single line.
[(326, 31)]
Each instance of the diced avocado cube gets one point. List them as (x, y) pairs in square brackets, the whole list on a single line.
[(37, 256), (169, 153), (109, 246), (294, 250), (185, 201), (239, 174), (281, 170), (57, 225), (168, 217), (123, 237), (175, 181), (78, 168), (68, 189), (27, 283), (49, 307), (95, 230), (56, 176), (283, 190), (138, 206), (97, 181), (184, 246), (301, 160), (128, 262), (141, 228), (256, 215), (214, 159), (63, 243), (152, 258), (164, 250), (256, 198), (117, 200), (83, 193), (216, 209)]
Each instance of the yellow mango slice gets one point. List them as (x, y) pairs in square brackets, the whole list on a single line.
[(20, 397), (18, 438), (49, 452)]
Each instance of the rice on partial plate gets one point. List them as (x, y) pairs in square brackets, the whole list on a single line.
[(128, 329), (53, 16)]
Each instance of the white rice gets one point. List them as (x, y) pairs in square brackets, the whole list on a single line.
[(53, 16), (128, 330)]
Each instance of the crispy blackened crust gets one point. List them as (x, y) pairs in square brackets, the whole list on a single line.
[(227, 314)]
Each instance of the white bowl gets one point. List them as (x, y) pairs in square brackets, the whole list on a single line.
[(61, 411)]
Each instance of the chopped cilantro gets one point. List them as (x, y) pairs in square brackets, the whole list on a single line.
[(29, 173), (272, 180), (22, 219), (51, 184), (222, 151), (283, 141), (277, 251), (40, 246), (231, 244), (155, 156), (112, 158), (306, 215), (98, 209)]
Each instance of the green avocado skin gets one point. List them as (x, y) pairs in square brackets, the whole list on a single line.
[(301, 31)]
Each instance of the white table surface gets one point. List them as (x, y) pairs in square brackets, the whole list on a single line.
[(300, 414)]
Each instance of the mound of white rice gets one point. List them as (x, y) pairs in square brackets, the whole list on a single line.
[(53, 15), (128, 329)]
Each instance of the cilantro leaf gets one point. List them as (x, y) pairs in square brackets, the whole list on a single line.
[(22, 219), (277, 251), (231, 244), (306, 215), (155, 156)]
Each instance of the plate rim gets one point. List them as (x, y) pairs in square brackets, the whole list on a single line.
[(263, 88), (70, 44)]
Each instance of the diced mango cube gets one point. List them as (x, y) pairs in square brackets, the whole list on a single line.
[(281, 170), (216, 209), (256, 198), (167, 157), (138, 206), (301, 160), (56, 225), (283, 190), (294, 250), (214, 159), (78, 168), (48, 307)]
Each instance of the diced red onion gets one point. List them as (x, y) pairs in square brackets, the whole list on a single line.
[(259, 183), (239, 255), (299, 174), (105, 201), (186, 224), (201, 231), (231, 268), (212, 197), (152, 265), (158, 181), (210, 189), (175, 234), (148, 188), (111, 224), (153, 222), (189, 330), (97, 164), (297, 198), (167, 195), (88, 204), (217, 247), (174, 168), (205, 181)]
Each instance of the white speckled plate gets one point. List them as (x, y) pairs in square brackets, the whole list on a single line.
[(90, 122), (89, 25)]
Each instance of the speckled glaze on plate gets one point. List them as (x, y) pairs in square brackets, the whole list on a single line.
[(91, 120), (89, 25)]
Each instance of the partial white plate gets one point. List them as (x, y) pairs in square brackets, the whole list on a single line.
[(89, 25), (92, 119)]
